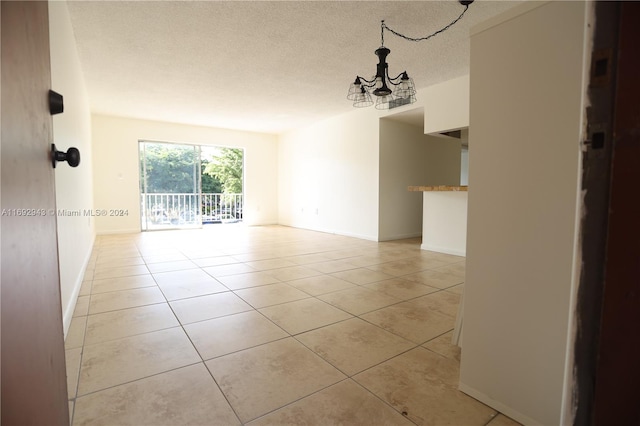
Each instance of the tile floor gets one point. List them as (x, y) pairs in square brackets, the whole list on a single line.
[(267, 326)]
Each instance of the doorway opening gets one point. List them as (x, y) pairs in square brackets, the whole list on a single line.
[(188, 186)]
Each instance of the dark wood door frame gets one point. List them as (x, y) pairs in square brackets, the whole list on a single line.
[(607, 348), (617, 395)]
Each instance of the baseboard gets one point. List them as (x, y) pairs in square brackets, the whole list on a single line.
[(71, 306), (332, 231), (497, 405), (445, 250), (400, 236)]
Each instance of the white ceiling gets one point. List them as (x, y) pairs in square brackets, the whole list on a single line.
[(265, 66)]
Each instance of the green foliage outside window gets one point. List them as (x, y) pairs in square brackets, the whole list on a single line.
[(171, 169), (226, 167)]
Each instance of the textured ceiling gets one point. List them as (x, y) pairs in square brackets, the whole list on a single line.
[(265, 66)]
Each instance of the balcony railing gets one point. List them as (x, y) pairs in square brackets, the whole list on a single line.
[(161, 211)]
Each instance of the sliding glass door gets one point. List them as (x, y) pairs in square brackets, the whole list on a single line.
[(170, 180)]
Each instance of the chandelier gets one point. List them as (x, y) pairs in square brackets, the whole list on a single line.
[(390, 92)]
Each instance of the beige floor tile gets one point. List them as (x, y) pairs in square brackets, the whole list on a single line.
[(204, 252), (267, 264), (424, 385), (354, 345), (116, 253), (186, 396), (401, 288), (208, 307), (122, 283), (320, 284), (261, 379), (250, 279), (431, 262), (458, 268), (414, 323), (177, 265), (109, 263), (123, 271), (457, 289), (164, 258), (187, 276), (129, 322), (88, 273), (131, 358), (502, 420), (75, 334), (116, 300), (443, 346), (359, 300), (226, 270), (367, 260), (399, 267), (190, 283), (308, 259), (361, 276), (444, 302), (85, 288), (345, 403), (293, 273), (449, 258), (215, 261), (400, 292), (82, 306), (224, 335), (249, 254), (157, 245), (433, 278), (346, 254), (331, 266), (304, 315), (72, 359), (271, 294)]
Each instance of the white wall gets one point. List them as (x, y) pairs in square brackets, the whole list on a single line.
[(409, 157), (116, 161), (447, 105), (328, 176), (329, 173), (527, 84), (73, 185)]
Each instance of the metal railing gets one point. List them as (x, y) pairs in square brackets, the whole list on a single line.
[(187, 210)]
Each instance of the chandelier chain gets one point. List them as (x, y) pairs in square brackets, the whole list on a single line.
[(384, 26)]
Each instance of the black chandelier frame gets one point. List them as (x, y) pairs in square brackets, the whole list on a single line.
[(380, 85)]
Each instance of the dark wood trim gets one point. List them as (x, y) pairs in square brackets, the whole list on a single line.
[(617, 394), (596, 176)]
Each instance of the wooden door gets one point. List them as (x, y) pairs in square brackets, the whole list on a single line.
[(618, 374), (34, 390)]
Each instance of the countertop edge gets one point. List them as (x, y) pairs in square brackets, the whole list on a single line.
[(438, 188)]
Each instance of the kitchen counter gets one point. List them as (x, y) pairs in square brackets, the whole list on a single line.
[(438, 188), (444, 218)]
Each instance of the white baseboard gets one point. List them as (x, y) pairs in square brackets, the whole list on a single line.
[(68, 310), (445, 250), (400, 236)]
